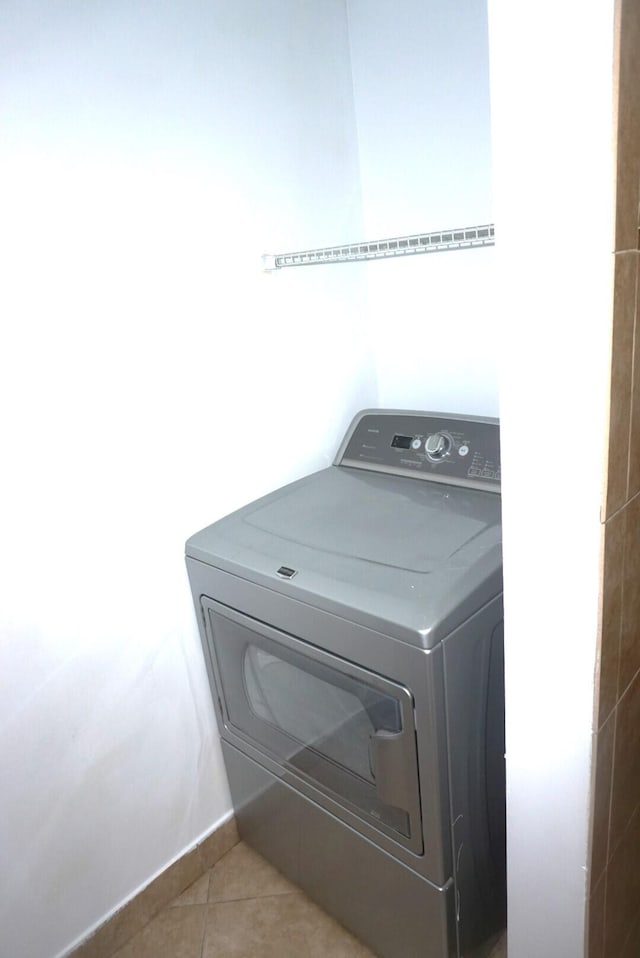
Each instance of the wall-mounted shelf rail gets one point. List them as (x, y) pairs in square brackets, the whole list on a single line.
[(469, 237)]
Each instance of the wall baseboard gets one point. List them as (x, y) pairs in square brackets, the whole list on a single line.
[(139, 910)]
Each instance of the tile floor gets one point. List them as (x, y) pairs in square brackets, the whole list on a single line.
[(243, 908)]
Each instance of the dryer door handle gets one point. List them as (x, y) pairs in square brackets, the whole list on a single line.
[(394, 764)]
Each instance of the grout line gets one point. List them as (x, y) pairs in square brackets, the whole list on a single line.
[(632, 928), (204, 927), (624, 693), (605, 879), (206, 910), (600, 719), (634, 374), (623, 568), (611, 777), (229, 901), (623, 835), (622, 507)]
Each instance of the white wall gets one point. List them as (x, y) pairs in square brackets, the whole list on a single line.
[(421, 92), (553, 176), (151, 379), (433, 323), (149, 370)]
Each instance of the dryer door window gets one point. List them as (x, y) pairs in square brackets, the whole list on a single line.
[(341, 728), (336, 720)]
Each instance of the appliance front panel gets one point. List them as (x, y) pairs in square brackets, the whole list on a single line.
[(393, 910), (344, 729), (415, 670)]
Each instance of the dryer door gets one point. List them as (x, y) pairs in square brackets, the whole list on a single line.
[(340, 728)]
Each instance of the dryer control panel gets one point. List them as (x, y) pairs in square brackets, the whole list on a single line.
[(440, 447)]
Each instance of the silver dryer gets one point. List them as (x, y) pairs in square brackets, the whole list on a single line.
[(352, 628)]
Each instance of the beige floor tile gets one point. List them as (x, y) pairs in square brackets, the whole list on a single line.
[(279, 926), (252, 912), (174, 933), (242, 873), (135, 915), (196, 894)]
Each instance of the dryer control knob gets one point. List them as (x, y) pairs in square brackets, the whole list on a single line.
[(437, 446)]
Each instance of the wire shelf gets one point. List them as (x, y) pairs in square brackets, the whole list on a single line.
[(470, 237)]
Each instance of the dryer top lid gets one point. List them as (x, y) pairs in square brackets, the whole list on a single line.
[(378, 519), (411, 559)]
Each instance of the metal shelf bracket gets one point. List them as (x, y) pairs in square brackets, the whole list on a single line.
[(469, 237)]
